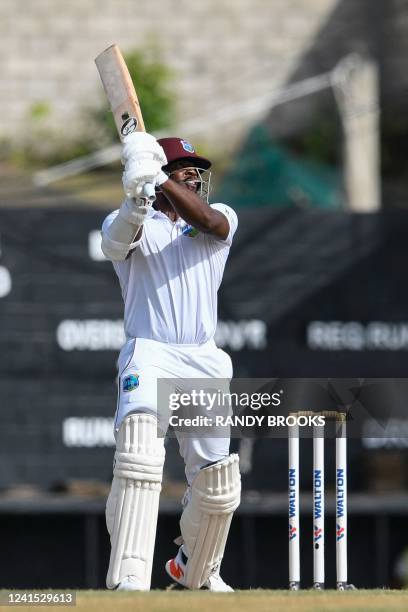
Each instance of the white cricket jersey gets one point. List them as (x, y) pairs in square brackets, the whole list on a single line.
[(170, 281)]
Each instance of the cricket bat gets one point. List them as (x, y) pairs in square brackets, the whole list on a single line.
[(122, 97)]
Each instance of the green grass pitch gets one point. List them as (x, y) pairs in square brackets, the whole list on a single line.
[(256, 600)]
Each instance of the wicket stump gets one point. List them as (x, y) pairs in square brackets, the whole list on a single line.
[(318, 502)]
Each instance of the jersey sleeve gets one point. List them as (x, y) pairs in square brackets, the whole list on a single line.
[(231, 215), (112, 244), (109, 219)]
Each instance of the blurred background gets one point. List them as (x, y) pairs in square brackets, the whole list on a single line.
[(302, 107)]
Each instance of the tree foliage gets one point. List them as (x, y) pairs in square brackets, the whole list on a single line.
[(48, 143)]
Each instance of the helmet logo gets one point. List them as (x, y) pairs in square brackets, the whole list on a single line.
[(187, 146)]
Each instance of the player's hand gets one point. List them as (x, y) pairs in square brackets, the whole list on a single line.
[(134, 211), (137, 174), (138, 146), (143, 158)]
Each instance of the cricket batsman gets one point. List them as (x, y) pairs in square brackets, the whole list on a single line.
[(170, 260)]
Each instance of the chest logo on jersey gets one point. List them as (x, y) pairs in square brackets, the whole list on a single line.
[(130, 382), (190, 231)]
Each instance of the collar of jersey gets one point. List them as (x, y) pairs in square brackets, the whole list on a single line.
[(153, 213)]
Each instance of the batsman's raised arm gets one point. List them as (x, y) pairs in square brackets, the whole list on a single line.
[(143, 159), (181, 179), (180, 191), (185, 194)]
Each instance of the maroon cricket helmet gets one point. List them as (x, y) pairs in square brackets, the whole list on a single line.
[(177, 149)]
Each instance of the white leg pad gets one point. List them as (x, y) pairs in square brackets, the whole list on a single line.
[(205, 522), (133, 502)]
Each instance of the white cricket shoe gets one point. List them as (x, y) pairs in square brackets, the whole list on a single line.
[(216, 584), (130, 583), (176, 569)]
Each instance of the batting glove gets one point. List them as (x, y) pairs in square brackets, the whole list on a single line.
[(141, 145), (134, 211), (137, 174), (161, 178)]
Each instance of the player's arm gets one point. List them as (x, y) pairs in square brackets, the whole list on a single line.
[(122, 234), (194, 210), (143, 158)]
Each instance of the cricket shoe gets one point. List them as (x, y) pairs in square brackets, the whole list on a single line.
[(130, 583), (176, 569)]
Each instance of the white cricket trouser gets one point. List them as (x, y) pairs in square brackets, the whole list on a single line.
[(149, 360)]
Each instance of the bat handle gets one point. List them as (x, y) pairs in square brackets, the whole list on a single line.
[(149, 192)]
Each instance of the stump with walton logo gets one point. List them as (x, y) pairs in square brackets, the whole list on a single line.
[(318, 501)]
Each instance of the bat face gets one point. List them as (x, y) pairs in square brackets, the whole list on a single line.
[(120, 91)]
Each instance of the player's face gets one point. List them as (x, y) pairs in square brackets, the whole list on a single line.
[(187, 175)]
